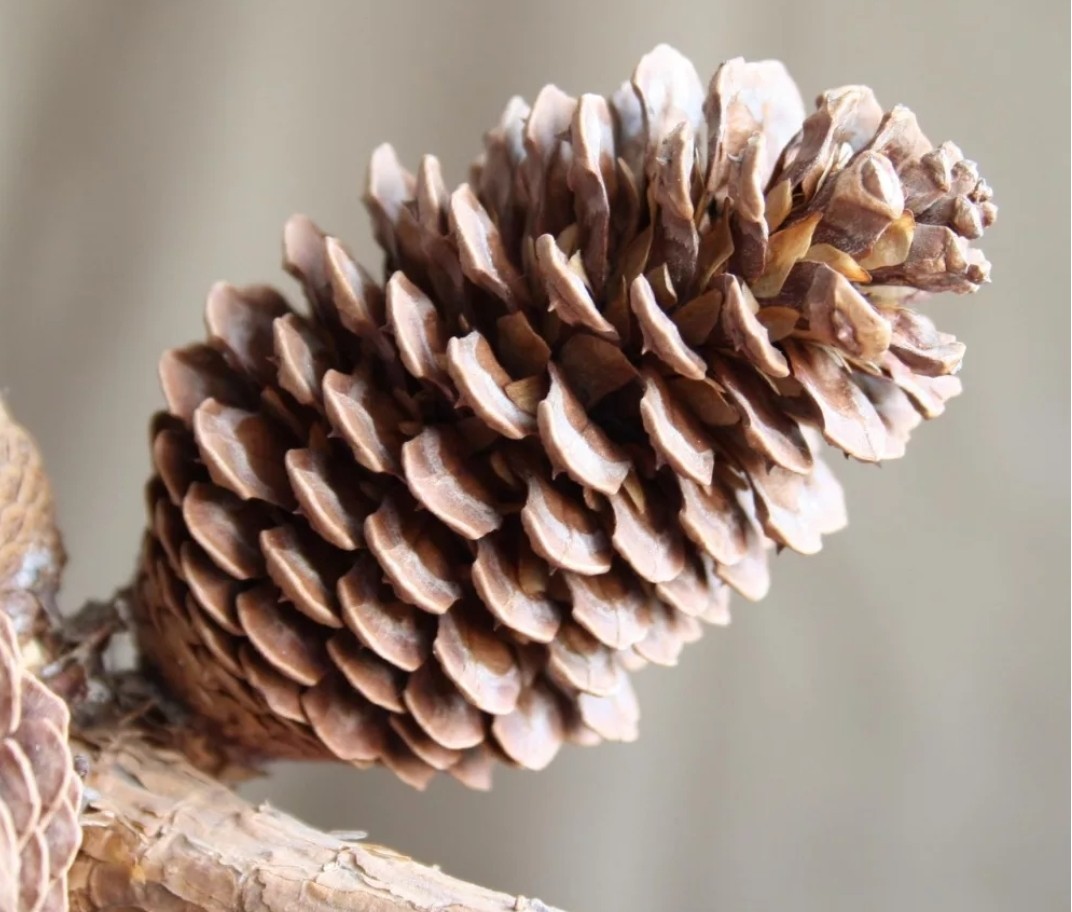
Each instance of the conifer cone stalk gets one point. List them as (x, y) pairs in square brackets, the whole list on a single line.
[(438, 522)]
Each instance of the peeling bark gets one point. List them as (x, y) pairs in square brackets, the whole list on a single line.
[(160, 836)]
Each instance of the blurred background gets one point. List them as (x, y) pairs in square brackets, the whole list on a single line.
[(889, 730)]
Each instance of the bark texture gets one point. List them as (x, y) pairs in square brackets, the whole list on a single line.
[(160, 836)]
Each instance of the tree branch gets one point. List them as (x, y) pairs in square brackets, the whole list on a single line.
[(161, 836)]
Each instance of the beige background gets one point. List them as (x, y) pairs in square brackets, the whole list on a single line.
[(889, 730)]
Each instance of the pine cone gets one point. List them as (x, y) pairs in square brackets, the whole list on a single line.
[(439, 522), (40, 793), (31, 554)]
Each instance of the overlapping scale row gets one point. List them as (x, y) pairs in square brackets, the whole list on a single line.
[(438, 521), (40, 792)]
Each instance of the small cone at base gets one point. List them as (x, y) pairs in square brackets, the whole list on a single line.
[(40, 791), (436, 523)]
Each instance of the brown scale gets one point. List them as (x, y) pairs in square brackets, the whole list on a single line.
[(438, 522)]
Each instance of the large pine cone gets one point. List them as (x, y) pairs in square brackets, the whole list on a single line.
[(439, 522)]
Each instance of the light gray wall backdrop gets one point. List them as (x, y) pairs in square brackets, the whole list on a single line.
[(889, 730)]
